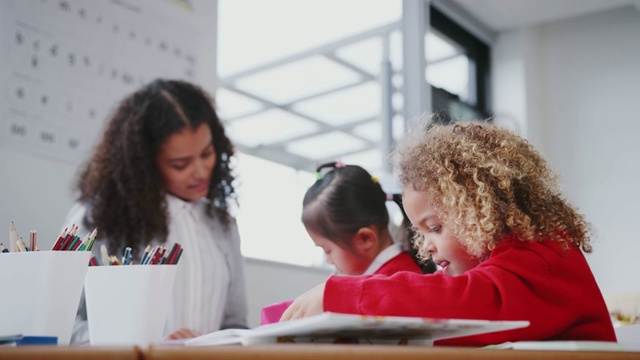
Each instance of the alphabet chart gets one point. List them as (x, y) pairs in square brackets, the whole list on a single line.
[(66, 63)]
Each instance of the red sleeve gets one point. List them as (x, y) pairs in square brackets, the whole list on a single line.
[(552, 288), (412, 294)]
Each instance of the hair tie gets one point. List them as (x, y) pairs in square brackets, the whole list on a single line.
[(375, 179), (389, 197), (334, 165)]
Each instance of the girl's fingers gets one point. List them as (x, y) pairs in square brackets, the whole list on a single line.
[(183, 333)]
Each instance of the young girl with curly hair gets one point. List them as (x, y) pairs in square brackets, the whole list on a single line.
[(487, 209), (161, 174)]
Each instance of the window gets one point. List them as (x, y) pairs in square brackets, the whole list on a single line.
[(269, 222), (460, 77)]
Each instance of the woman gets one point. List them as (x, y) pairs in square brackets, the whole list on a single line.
[(162, 174)]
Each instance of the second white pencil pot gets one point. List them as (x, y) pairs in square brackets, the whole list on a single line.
[(128, 304)]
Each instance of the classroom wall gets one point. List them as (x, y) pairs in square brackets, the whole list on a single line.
[(574, 87), (271, 282)]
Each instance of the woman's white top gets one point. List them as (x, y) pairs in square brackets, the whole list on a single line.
[(209, 292)]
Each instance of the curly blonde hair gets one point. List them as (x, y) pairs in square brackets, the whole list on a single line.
[(486, 182)]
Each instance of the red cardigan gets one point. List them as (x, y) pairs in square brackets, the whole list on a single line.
[(401, 262), (541, 282)]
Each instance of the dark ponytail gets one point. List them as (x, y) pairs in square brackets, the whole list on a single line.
[(342, 201)]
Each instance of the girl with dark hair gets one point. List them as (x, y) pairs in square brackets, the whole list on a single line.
[(345, 214), (162, 174)]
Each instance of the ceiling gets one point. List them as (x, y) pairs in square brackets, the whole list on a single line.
[(504, 15)]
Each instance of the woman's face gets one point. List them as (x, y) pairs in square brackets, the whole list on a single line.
[(186, 161), (438, 240)]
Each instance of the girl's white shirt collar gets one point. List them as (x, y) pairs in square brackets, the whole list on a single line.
[(384, 256)]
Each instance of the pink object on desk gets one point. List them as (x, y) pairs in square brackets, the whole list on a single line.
[(272, 313)]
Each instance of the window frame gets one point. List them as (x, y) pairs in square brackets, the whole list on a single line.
[(477, 51)]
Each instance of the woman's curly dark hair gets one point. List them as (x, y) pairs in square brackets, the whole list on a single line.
[(122, 183), (486, 182)]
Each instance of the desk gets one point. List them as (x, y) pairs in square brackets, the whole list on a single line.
[(70, 353), (366, 352), (296, 351)]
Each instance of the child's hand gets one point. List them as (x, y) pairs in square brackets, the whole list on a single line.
[(183, 333), (307, 304)]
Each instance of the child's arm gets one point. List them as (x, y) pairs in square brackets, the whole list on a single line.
[(307, 304)]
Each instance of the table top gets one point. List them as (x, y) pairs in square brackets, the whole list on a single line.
[(296, 351)]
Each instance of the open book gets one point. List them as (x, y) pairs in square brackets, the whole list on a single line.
[(346, 328)]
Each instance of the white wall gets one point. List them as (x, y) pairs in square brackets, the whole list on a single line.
[(35, 193), (271, 282), (574, 85)]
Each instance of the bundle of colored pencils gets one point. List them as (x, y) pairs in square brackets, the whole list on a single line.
[(160, 255), (156, 255), (69, 241)]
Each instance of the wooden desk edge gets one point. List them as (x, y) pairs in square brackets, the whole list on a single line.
[(71, 353), (368, 352), (297, 351)]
